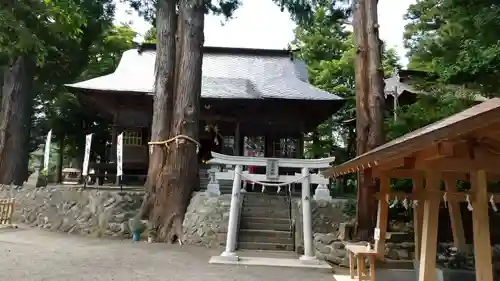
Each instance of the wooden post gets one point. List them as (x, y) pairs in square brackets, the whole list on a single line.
[(418, 213), (481, 226), (382, 217), (456, 218), (361, 266), (237, 140), (427, 270)]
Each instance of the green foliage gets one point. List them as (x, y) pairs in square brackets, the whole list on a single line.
[(458, 40), (349, 208), (326, 46), (65, 114), (27, 26), (304, 11), (147, 8), (426, 110)]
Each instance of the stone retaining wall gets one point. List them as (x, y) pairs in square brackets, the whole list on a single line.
[(330, 248), (107, 213), (326, 218), (73, 210), (207, 219)]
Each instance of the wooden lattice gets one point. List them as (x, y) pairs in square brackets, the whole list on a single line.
[(6, 210)]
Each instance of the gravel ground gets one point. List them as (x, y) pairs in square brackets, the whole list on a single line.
[(36, 255)]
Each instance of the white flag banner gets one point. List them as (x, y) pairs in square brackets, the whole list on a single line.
[(86, 157), (46, 155), (119, 155)]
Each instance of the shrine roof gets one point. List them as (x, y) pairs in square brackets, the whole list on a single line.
[(228, 73), (461, 125)]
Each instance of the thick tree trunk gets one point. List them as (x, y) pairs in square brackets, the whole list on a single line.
[(178, 177), (166, 26), (14, 127), (369, 116), (168, 198)]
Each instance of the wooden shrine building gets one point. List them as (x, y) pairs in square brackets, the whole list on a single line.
[(245, 93), (463, 147)]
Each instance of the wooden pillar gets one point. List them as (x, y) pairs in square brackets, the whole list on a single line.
[(382, 216), (457, 227), (237, 140), (418, 213), (114, 136), (268, 146), (481, 226), (427, 270)]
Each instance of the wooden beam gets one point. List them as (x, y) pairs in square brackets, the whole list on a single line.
[(418, 214), (480, 162), (455, 218), (481, 227), (410, 173), (382, 217), (427, 269)]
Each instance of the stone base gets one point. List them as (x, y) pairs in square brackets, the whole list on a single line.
[(213, 190), (309, 260), (275, 262), (229, 256)]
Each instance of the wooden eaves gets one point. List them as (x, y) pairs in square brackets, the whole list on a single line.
[(465, 146)]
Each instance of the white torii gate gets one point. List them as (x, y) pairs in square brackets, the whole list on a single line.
[(272, 178)]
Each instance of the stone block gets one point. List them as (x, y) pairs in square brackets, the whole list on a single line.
[(345, 231), (322, 193), (213, 190)]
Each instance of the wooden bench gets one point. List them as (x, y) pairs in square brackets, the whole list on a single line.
[(358, 253), (6, 210)]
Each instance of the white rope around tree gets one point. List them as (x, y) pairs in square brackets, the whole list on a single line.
[(177, 139)]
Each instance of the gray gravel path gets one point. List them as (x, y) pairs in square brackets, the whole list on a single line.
[(36, 255)]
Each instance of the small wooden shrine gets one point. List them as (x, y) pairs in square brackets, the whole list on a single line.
[(463, 147)]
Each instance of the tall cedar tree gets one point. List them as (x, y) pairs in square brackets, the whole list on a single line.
[(173, 169)]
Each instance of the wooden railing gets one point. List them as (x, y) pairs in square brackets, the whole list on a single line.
[(6, 210)]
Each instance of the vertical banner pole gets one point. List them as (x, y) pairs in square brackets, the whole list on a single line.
[(119, 159), (86, 157), (46, 157)]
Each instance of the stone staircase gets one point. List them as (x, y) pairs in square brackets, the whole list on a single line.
[(265, 223)]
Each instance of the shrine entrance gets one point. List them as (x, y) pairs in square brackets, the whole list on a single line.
[(271, 179)]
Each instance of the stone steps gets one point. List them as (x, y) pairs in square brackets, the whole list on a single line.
[(265, 223), (260, 233), (254, 198), (270, 240), (263, 212), (265, 246)]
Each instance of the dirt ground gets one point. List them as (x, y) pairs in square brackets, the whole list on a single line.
[(36, 255)]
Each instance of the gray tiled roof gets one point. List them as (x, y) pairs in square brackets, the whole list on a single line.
[(225, 76)]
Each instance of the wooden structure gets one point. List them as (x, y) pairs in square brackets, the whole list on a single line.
[(465, 147), (246, 93), (6, 211), (357, 255), (271, 178)]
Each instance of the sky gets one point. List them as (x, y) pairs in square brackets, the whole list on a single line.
[(261, 24)]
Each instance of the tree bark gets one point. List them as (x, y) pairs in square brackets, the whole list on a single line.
[(369, 115), (168, 198), (14, 127), (166, 25), (178, 177)]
